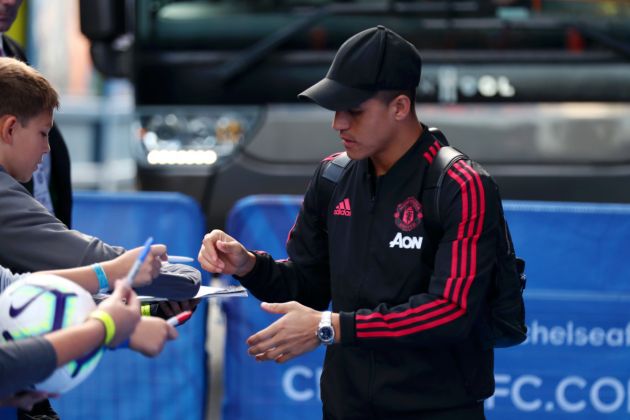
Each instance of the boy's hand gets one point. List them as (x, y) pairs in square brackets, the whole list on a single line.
[(150, 336), (119, 267), (124, 308)]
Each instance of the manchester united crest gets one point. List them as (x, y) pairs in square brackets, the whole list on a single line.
[(408, 214)]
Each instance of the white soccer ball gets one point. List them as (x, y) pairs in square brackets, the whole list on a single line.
[(40, 303)]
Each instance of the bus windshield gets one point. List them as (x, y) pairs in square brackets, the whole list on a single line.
[(248, 52)]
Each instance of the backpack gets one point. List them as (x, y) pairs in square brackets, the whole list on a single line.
[(505, 298)]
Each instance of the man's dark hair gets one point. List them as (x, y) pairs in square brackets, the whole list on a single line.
[(389, 95)]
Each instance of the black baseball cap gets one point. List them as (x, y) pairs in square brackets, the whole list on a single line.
[(372, 60)]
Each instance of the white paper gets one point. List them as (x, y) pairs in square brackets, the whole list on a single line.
[(206, 292)]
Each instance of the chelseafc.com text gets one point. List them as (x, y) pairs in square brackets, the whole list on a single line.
[(564, 369)]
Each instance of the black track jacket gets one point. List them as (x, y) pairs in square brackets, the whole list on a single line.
[(413, 311)]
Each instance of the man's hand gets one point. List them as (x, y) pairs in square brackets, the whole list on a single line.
[(290, 336), (150, 336), (220, 253), (26, 400)]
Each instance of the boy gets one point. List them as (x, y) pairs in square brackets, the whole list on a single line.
[(24, 128), (31, 239), (53, 187)]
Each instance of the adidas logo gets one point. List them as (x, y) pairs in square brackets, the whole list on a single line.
[(343, 208)]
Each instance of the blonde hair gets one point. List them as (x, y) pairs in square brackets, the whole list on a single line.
[(24, 92)]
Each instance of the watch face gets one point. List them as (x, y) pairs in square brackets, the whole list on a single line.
[(326, 334)]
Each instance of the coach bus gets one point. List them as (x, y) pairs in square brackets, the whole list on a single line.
[(537, 91)]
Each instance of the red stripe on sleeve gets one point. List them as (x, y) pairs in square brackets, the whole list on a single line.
[(479, 215), (468, 195), (433, 314), (433, 149), (457, 275), (403, 314), (399, 333), (463, 269)]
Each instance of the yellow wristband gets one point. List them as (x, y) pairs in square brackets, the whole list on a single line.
[(145, 310), (108, 322)]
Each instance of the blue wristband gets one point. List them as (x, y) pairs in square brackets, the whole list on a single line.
[(103, 285)]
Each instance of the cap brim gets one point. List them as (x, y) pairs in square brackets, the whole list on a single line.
[(335, 96)]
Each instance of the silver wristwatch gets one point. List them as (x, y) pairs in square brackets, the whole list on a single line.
[(325, 330)]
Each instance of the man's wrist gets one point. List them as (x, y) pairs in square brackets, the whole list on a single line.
[(249, 265), (336, 326), (325, 329)]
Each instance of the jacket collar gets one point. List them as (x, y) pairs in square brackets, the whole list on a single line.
[(413, 159)]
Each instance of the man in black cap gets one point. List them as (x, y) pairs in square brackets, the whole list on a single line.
[(407, 335)]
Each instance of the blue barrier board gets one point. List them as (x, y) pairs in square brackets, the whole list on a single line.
[(574, 364), (125, 384)]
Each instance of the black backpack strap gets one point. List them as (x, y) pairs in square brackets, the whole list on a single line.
[(445, 158), (334, 168), (331, 174)]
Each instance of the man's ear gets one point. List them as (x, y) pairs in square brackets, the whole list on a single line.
[(7, 128), (402, 107)]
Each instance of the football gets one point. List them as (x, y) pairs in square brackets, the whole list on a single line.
[(40, 303)]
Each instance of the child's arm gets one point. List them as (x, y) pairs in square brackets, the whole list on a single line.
[(116, 269), (33, 359)]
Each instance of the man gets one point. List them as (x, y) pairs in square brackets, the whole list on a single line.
[(409, 315), (51, 183)]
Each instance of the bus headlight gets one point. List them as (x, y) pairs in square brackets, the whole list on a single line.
[(194, 137)]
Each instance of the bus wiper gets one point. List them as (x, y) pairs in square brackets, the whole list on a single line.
[(257, 52), (619, 47), (261, 49)]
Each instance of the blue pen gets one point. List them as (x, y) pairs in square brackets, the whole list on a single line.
[(136, 265)]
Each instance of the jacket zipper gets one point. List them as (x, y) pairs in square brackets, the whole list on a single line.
[(367, 247)]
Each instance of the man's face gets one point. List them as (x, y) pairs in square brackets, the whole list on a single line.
[(28, 147), (366, 131), (8, 12)]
